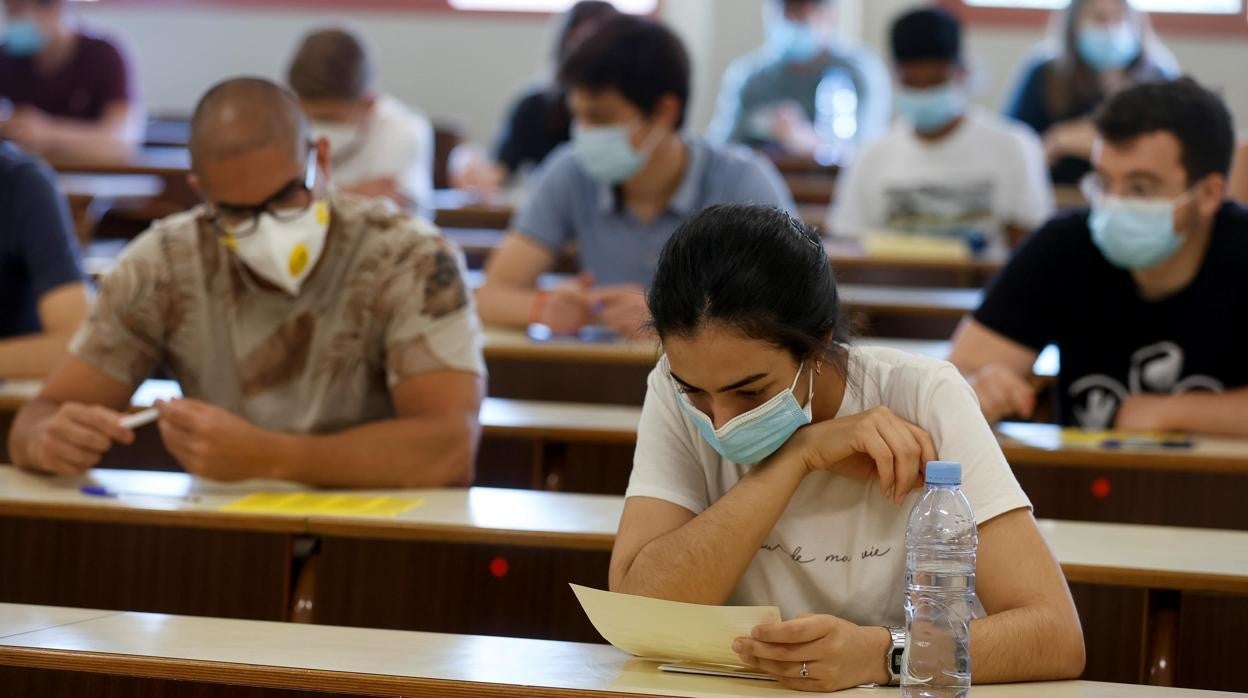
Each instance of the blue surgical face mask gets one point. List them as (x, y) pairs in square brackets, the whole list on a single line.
[(607, 153), (931, 109), (1135, 234), (793, 42), (750, 437), (1109, 48), (23, 38)]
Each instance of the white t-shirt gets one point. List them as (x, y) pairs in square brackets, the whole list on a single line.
[(839, 547), (396, 142), (988, 173)]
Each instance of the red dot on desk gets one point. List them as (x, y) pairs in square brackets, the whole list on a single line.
[(499, 567), (1101, 488)]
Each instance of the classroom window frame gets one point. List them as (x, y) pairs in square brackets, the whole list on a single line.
[(404, 6), (1166, 23)]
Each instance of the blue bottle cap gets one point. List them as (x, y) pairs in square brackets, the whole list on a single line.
[(944, 472)]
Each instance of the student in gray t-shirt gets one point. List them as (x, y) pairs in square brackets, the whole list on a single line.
[(618, 191), (768, 98)]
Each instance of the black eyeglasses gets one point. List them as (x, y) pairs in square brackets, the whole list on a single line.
[(288, 204)]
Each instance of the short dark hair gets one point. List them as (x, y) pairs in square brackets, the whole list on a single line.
[(580, 14), (641, 58), (331, 64), (753, 268), (929, 33), (1197, 117)]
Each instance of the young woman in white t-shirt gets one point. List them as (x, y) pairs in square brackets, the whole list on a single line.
[(777, 465)]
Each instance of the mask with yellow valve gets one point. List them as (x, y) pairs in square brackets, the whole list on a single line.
[(284, 250)]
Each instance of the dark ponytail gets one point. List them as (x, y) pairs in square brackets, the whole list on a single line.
[(752, 268)]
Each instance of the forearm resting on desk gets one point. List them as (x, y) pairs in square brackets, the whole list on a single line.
[(699, 559), (1223, 414), (405, 452), (33, 356), (505, 306)]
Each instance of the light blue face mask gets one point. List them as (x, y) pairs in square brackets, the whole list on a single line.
[(793, 42), (750, 437), (1109, 48), (931, 109), (607, 154), (1134, 234), (23, 38)]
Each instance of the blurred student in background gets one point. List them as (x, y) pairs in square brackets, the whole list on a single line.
[(63, 91), (538, 121), (1102, 47), (629, 177), (780, 96), (43, 296), (948, 168), (379, 146)]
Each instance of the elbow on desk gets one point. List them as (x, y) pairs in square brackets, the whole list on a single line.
[(453, 462)]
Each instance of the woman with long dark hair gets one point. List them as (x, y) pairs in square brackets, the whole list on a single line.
[(1103, 47), (777, 464)]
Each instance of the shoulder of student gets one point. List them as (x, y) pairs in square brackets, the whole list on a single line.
[(744, 174), (104, 50), (904, 382), (395, 236), (1008, 134)]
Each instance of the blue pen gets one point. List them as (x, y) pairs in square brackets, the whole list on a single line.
[(101, 491)]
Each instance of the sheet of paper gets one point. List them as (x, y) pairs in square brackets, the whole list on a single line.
[(316, 503), (671, 631), (1081, 437), (884, 245)]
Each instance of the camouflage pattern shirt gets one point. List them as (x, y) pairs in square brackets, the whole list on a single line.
[(387, 300)]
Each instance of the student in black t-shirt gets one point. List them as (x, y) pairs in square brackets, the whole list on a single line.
[(43, 296), (1146, 295)]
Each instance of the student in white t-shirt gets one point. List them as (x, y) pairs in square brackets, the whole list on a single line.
[(946, 168), (777, 465), (379, 146)]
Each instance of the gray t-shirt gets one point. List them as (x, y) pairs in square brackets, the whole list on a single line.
[(760, 81), (387, 300), (567, 206)]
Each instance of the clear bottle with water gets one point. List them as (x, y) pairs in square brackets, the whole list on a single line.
[(836, 117), (940, 588)]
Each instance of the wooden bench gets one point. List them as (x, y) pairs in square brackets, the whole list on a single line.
[(503, 556), (82, 652)]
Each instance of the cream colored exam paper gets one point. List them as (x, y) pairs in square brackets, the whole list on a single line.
[(671, 631)]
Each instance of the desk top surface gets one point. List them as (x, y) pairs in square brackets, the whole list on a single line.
[(1126, 554), (311, 656)]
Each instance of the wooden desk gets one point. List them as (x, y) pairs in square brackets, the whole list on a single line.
[(1204, 486), (876, 311), (852, 265), (169, 165), (142, 553), (499, 554), (134, 653), (91, 196), (458, 209), (162, 162)]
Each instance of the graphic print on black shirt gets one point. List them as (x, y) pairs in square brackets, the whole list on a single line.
[(1059, 289), (1158, 368)]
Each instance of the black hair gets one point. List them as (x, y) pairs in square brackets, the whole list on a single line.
[(1197, 117), (641, 58), (752, 268), (928, 33), (583, 12)]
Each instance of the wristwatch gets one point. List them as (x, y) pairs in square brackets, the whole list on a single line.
[(893, 659)]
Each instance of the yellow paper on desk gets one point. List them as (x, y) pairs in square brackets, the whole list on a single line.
[(671, 631), (1073, 436), (323, 504), (886, 245)]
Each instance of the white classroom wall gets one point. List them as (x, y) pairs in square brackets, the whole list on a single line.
[(456, 66)]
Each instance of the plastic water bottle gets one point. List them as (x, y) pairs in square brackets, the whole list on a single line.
[(940, 588)]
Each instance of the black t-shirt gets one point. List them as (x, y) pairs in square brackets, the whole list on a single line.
[(1059, 289), (537, 123), (38, 251)]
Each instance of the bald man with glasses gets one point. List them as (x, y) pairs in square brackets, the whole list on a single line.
[(318, 337)]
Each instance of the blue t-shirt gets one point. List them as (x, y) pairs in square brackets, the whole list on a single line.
[(38, 251), (566, 205)]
